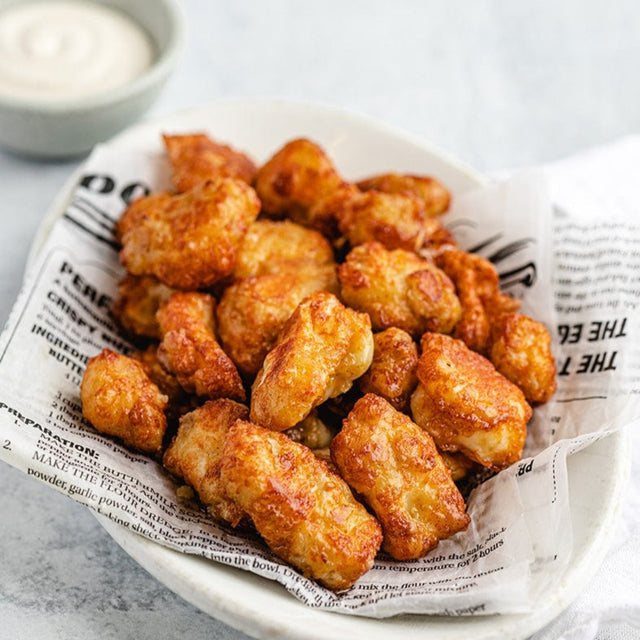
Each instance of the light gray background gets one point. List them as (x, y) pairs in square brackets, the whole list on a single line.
[(500, 84)]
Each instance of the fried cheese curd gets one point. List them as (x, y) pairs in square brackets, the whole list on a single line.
[(397, 288), (392, 374), (434, 195), (196, 158), (306, 514), (396, 220), (190, 351), (394, 465), (477, 285), (252, 312), (119, 399), (195, 454), (323, 347), (188, 241), (139, 298), (466, 405), (273, 246), (279, 264), (520, 349), (295, 178)]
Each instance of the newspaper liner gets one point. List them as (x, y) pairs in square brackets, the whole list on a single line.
[(519, 540)]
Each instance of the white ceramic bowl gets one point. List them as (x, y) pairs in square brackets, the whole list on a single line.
[(50, 129), (597, 475)]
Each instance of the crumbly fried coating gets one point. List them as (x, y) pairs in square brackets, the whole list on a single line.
[(435, 197), (520, 349), (253, 311), (398, 289), (196, 158), (119, 399), (466, 405), (293, 179), (139, 210), (272, 246), (478, 287), (306, 514), (321, 350), (394, 465), (139, 298), (189, 348), (188, 241), (396, 220), (392, 374), (195, 453)]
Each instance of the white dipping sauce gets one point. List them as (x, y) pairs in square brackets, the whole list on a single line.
[(56, 50)]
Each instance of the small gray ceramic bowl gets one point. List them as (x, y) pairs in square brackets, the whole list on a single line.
[(62, 129)]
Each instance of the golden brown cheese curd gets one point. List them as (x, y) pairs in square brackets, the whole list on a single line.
[(296, 177), (306, 514), (520, 349), (196, 158), (273, 246), (433, 194), (195, 453), (190, 351), (478, 288), (398, 289), (466, 405), (253, 311), (396, 220), (394, 465), (139, 298), (392, 374), (188, 241), (321, 350), (119, 399)]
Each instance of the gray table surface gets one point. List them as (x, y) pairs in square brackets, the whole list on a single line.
[(497, 84)]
